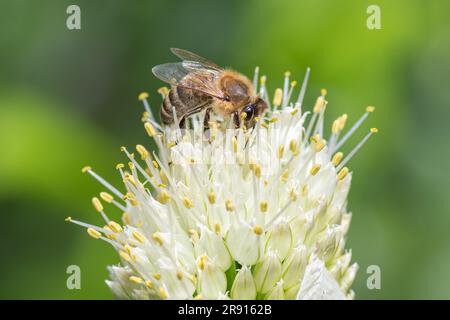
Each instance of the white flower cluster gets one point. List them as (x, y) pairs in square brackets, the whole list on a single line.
[(240, 213)]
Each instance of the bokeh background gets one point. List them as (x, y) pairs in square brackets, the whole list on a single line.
[(69, 98)]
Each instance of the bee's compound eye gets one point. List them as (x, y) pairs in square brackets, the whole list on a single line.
[(250, 110)]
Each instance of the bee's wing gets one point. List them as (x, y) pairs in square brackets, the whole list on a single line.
[(190, 56), (171, 73), (190, 75)]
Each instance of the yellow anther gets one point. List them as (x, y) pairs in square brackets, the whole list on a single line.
[(119, 166), (155, 164), (323, 92), (157, 237), (337, 158), (374, 130), (142, 151), (243, 116), (142, 96), (128, 249), (315, 138), (293, 146), (257, 170), (131, 165), (123, 149), (145, 116), (287, 73), (162, 293), (109, 234), (273, 119), (106, 197), (163, 176), (319, 146), (97, 204), (163, 196), (131, 198), (370, 109), (129, 178), (258, 230), (229, 205), (115, 227), (211, 197), (217, 228), (202, 261), (171, 144), (280, 151), (294, 111), (94, 233), (263, 206), (163, 91), (266, 182), (277, 98), (126, 218), (293, 195), (336, 125), (187, 202), (263, 80), (85, 169), (234, 143), (139, 236), (285, 175), (180, 275), (136, 280), (304, 190), (157, 276), (198, 297), (68, 219), (264, 125), (343, 173), (149, 284), (293, 83), (342, 120), (151, 131), (320, 104), (193, 233), (314, 169), (125, 256)]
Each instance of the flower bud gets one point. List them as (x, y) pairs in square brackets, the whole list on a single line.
[(243, 244), (244, 287), (267, 272), (318, 283), (277, 292), (178, 284), (294, 266), (212, 280), (213, 245), (349, 277), (280, 239), (291, 293), (328, 242)]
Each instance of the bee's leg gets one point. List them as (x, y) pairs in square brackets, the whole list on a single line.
[(206, 119), (236, 119), (182, 123)]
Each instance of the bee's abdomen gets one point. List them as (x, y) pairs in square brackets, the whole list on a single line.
[(183, 100), (167, 109)]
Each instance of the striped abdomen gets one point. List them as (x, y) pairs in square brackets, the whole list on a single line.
[(185, 101)]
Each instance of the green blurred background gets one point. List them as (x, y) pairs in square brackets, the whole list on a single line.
[(69, 98)]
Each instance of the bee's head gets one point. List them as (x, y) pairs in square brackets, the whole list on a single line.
[(253, 110)]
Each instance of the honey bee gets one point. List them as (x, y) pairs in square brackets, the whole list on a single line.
[(199, 84)]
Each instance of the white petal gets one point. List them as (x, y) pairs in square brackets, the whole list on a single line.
[(319, 284)]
